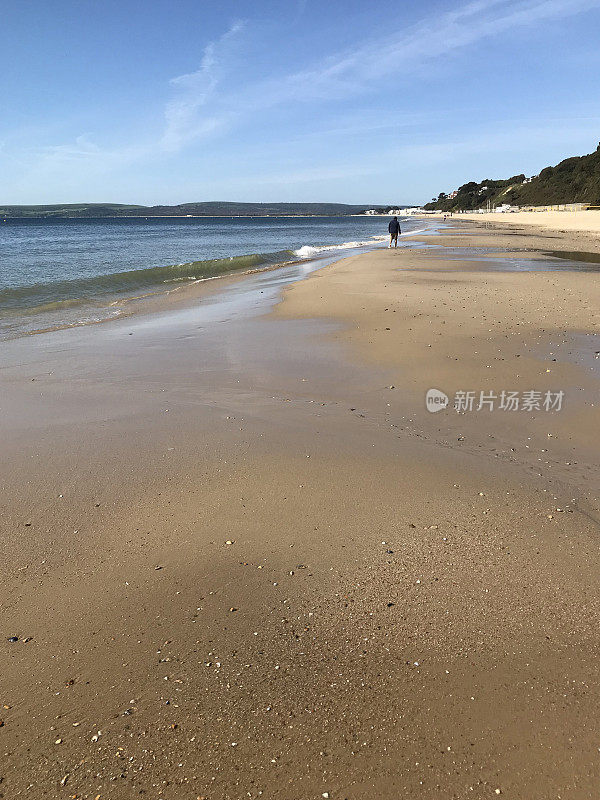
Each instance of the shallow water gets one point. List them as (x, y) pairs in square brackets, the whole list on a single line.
[(576, 256), (502, 260), (558, 263), (63, 272)]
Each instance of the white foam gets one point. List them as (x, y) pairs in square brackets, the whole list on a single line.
[(307, 251)]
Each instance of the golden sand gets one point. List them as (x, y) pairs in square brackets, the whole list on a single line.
[(243, 560)]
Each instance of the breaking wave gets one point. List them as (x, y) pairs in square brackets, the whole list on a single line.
[(54, 295), (309, 251)]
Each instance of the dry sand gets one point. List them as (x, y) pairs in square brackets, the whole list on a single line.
[(556, 221), (240, 564)]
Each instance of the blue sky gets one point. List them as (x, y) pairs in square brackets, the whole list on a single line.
[(188, 100)]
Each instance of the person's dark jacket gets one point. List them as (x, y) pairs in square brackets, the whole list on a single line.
[(394, 227)]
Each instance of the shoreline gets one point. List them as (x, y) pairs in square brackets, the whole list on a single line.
[(130, 305), (241, 555), (202, 284), (193, 216)]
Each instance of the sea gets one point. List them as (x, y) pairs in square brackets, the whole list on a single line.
[(57, 273)]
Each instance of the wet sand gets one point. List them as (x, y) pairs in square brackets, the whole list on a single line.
[(241, 564)]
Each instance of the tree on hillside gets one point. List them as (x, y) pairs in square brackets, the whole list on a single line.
[(573, 180)]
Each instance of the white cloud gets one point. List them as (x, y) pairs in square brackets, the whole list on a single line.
[(71, 166), (194, 91), (432, 39), (84, 158), (204, 104)]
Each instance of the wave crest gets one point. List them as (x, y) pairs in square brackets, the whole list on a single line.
[(78, 291), (308, 251)]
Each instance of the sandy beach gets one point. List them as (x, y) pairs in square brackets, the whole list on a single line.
[(242, 559), (565, 222)]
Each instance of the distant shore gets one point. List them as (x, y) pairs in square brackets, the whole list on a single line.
[(185, 216), (205, 208)]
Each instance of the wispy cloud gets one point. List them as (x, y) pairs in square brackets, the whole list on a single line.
[(194, 90), (219, 96), (71, 166), (204, 105), (432, 39), (184, 123)]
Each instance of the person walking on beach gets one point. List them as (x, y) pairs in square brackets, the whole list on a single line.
[(394, 229)]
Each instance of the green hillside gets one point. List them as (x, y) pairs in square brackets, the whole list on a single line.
[(68, 210), (207, 209), (574, 180)]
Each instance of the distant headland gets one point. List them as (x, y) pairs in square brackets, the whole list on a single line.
[(205, 209)]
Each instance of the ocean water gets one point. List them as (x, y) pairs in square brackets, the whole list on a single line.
[(55, 273)]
